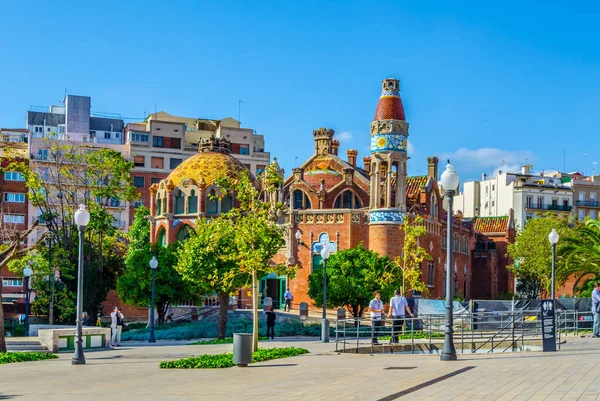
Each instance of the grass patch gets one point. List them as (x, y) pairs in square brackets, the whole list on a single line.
[(226, 360), (228, 340), (416, 335), (13, 357)]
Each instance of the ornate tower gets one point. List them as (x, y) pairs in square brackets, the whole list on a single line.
[(389, 135)]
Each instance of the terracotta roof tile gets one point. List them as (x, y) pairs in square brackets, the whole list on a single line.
[(497, 224), (414, 184)]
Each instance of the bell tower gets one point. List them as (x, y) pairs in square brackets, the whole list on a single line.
[(389, 137)]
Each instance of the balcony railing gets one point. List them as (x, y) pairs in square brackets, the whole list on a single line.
[(588, 203), (537, 206)]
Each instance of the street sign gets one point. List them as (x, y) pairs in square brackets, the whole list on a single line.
[(548, 325)]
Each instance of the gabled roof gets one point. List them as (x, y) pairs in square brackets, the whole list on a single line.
[(487, 225), (414, 184)]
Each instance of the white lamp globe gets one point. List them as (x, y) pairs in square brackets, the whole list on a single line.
[(82, 216), (449, 179), (298, 235), (27, 272), (153, 263), (553, 237), (325, 253)]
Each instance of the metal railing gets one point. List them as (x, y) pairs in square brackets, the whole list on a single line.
[(473, 332)]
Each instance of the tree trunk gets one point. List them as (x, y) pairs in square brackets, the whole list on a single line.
[(223, 308), (254, 312), (2, 339)]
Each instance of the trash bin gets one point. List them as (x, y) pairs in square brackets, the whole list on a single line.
[(242, 349)]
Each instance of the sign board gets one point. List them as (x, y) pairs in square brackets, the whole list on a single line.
[(548, 325)]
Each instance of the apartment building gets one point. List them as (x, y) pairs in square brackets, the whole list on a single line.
[(13, 211), (586, 191), (529, 195)]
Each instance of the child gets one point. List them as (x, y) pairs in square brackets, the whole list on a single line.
[(271, 316)]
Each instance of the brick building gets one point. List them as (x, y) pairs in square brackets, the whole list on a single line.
[(333, 202)]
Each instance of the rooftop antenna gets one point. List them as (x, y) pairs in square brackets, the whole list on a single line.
[(502, 168), (594, 168)]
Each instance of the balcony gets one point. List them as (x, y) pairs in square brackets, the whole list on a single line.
[(559, 208), (587, 203)]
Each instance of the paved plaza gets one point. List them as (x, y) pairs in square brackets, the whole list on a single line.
[(132, 373)]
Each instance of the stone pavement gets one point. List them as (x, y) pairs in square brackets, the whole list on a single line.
[(132, 373)]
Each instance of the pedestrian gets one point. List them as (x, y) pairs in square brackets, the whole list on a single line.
[(271, 317), (84, 319), (116, 325), (398, 310), (376, 308), (288, 300), (596, 309)]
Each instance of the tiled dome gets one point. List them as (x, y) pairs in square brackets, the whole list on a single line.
[(212, 161), (390, 104)]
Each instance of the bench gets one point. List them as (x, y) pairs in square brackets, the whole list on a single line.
[(61, 340)]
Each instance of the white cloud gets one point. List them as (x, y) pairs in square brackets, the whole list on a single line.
[(410, 148), (488, 159), (344, 137)]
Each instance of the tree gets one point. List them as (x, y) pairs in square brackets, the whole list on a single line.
[(75, 174), (413, 254), (352, 277), (134, 286), (581, 252), (208, 259), (533, 254)]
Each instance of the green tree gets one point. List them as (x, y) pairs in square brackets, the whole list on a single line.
[(352, 277), (533, 254), (581, 252), (413, 255), (134, 286)]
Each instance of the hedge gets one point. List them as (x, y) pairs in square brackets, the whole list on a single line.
[(12, 357), (226, 360)]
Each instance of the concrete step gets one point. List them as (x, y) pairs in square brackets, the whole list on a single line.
[(24, 345)]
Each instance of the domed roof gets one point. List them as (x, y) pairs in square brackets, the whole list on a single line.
[(211, 162), (390, 105)]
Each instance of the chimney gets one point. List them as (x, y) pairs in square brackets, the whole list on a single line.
[(367, 163), (335, 146), (483, 176), (432, 167), (323, 141), (352, 153)]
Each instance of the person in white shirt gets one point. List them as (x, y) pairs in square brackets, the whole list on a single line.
[(398, 310), (376, 309), (116, 325), (288, 300)]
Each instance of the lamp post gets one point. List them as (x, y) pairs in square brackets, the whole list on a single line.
[(153, 266), (449, 181), (82, 218), (298, 236), (325, 322), (553, 238), (27, 272)]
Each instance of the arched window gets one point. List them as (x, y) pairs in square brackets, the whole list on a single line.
[(211, 203), (456, 243), (465, 245), (183, 233), (430, 273), (179, 202), (301, 200), (192, 202), (347, 200), (161, 237), (226, 204), (444, 239)]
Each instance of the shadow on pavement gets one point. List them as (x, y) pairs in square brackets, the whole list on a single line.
[(273, 365)]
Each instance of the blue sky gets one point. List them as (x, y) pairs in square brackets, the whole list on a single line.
[(512, 81)]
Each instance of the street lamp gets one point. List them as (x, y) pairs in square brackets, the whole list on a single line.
[(449, 181), (298, 236), (27, 272), (82, 218), (153, 266), (325, 322), (553, 238)]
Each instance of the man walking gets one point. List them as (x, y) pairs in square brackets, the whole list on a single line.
[(376, 308), (116, 325), (398, 308), (288, 300), (596, 310)]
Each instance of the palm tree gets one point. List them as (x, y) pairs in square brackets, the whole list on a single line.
[(581, 253)]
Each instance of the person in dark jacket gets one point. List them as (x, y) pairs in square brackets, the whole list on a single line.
[(271, 317)]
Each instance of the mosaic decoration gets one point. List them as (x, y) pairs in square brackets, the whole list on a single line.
[(489, 225), (318, 246), (390, 106), (386, 216), (388, 142)]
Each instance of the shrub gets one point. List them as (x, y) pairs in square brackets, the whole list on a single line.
[(12, 357), (18, 331), (226, 360)]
